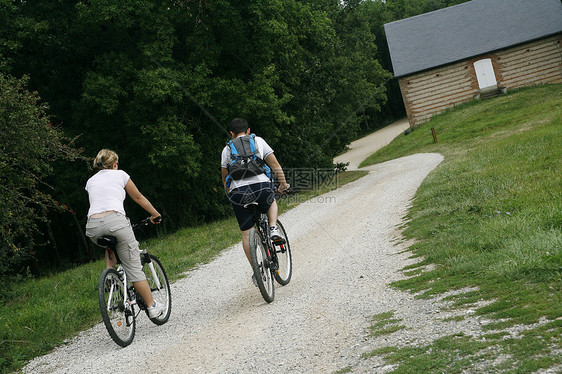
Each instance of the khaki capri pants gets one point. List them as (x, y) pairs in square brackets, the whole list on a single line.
[(118, 225)]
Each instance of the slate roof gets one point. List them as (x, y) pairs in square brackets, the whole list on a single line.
[(467, 30)]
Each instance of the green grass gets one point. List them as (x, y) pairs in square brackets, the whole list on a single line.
[(384, 324), (490, 217), (36, 315), (497, 353)]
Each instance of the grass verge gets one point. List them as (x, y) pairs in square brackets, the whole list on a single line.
[(490, 218), (385, 323), (39, 314)]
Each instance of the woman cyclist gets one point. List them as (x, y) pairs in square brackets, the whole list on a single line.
[(107, 190)]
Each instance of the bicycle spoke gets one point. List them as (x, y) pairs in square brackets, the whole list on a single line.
[(284, 260), (160, 287), (117, 316), (261, 267)]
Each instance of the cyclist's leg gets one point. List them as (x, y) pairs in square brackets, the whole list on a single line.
[(267, 203), (272, 213), (268, 199), (238, 198), (128, 250), (144, 291), (246, 244), (110, 260)]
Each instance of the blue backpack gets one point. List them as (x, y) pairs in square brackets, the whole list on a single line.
[(244, 159)]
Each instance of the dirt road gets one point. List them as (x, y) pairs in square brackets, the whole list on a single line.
[(345, 252), (362, 148)]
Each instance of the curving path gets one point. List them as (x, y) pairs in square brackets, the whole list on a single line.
[(345, 252)]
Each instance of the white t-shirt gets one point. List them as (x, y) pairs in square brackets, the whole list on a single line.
[(106, 191), (263, 149)]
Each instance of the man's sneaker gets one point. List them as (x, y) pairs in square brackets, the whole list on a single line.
[(254, 280), (156, 310), (276, 236)]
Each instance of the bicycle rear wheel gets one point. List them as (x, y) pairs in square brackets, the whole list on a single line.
[(119, 320), (260, 265), (161, 294), (284, 259)]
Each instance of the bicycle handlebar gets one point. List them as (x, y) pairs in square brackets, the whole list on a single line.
[(147, 222), (284, 194)]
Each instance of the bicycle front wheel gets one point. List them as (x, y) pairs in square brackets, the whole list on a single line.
[(160, 287), (284, 259), (260, 265), (119, 320)]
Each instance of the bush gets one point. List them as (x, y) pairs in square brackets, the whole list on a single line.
[(29, 144)]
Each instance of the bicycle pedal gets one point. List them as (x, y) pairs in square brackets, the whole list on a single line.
[(278, 241)]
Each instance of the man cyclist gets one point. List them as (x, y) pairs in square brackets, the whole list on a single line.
[(256, 188)]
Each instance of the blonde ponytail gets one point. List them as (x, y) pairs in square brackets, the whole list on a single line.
[(105, 159)]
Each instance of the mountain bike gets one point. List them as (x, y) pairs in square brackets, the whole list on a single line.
[(269, 259), (120, 304)]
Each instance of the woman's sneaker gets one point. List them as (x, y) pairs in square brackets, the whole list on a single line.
[(156, 310), (276, 236)]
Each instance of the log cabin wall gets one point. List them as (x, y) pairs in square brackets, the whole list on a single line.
[(433, 91)]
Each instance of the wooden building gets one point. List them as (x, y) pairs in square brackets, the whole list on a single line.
[(472, 50)]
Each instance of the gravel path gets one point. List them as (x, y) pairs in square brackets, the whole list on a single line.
[(362, 148), (346, 249)]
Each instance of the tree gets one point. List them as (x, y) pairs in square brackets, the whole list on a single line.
[(29, 145), (158, 81)]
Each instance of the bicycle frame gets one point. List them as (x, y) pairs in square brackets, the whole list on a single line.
[(271, 261), (128, 300), (263, 232), (145, 255), (148, 261)]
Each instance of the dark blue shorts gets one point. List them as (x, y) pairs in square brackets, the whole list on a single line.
[(262, 193)]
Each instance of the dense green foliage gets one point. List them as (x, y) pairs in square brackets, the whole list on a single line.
[(159, 80), (28, 146)]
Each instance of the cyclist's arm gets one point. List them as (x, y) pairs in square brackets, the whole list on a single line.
[(224, 173), (271, 160), (139, 198)]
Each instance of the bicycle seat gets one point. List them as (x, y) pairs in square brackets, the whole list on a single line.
[(107, 241)]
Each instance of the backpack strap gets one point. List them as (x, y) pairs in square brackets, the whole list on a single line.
[(233, 154), (228, 180), (253, 143), (233, 151), (267, 169)]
